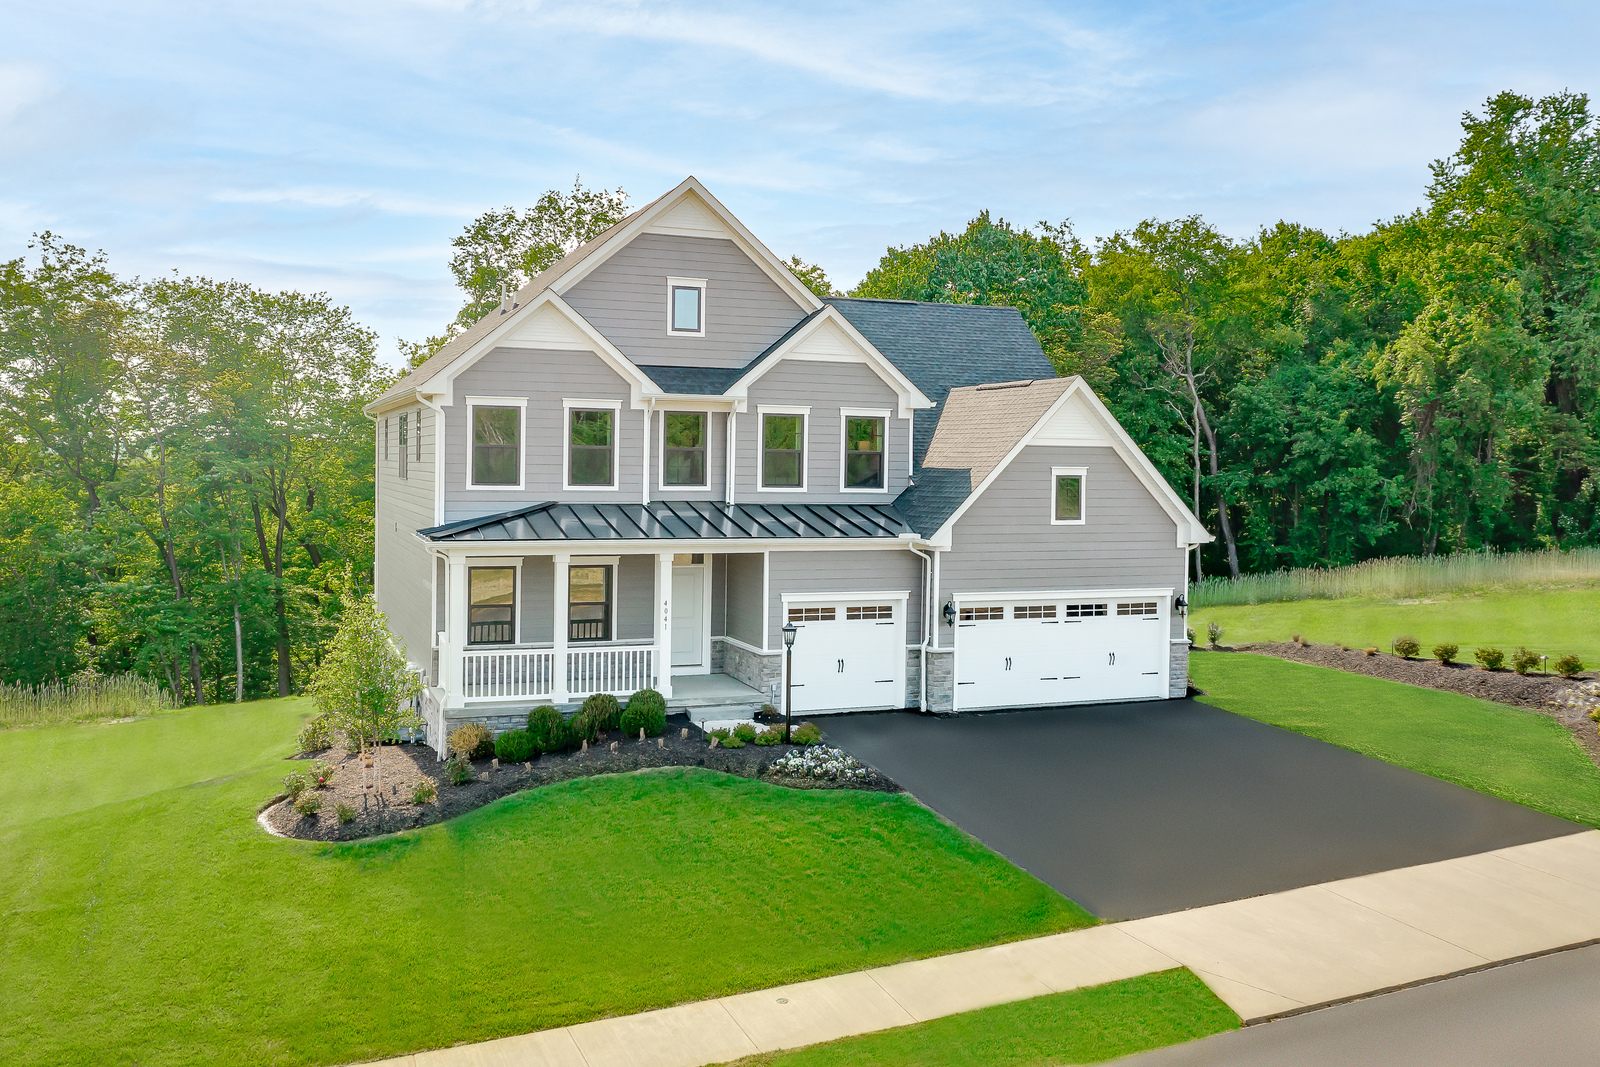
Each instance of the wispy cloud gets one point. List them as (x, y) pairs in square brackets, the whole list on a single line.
[(336, 198)]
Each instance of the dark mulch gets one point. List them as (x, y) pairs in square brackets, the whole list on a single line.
[(397, 769), (1566, 701)]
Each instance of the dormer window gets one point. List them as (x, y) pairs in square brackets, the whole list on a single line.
[(686, 307)]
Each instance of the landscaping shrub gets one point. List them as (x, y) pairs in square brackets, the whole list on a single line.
[(1214, 633), (295, 783), (772, 735), (308, 803), (514, 746), (745, 732), (827, 764), (316, 735), (647, 711), (1490, 659), (807, 733), (549, 730), (346, 814), (599, 713), (1188, 632), (1524, 661), (458, 770), (1569, 666), (727, 738), (1406, 646), (321, 773), (424, 793), (471, 740), (767, 712), (1446, 653)]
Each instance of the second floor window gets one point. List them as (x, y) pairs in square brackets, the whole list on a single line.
[(686, 306), (783, 450), (405, 438), (496, 445), (863, 452), (491, 605), (683, 449), (591, 447)]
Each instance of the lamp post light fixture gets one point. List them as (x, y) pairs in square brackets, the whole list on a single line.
[(790, 631)]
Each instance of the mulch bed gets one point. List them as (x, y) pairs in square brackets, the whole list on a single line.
[(399, 768), (1566, 701)]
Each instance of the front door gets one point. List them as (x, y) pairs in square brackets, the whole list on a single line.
[(689, 618)]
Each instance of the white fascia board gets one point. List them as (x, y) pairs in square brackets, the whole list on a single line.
[(747, 242), (1189, 529), (910, 396)]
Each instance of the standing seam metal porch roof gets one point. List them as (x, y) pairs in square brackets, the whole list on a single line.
[(674, 520)]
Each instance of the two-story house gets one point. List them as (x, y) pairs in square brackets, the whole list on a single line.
[(665, 448)]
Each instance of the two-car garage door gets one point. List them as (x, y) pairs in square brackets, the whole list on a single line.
[(1055, 649)]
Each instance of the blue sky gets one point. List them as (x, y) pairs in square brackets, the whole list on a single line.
[(338, 147)]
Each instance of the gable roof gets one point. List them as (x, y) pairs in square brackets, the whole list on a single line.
[(911, 397)]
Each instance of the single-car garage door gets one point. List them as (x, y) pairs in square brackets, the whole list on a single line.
[(1060, 649), (848, 654)]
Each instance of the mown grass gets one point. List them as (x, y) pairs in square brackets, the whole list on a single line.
[(1506, 752), (1084, 1026), (1551, 620), (145, 917)]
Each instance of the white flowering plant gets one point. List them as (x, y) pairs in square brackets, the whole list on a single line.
[(821, 763)]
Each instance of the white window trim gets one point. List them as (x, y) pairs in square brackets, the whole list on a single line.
[(845, 415), (567, 408), (513, 562), (686, 283), (615, 604), (661, 457), (1082, 474), (520, 402), (762, 411)]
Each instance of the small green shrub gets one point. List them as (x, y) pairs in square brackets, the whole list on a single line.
[(308, 803), (1446, 653), (647, 711), (316, 735), (321, 773), (1524, 661), (458, 770), (514, 746), (767, 712), (1569, 666), (602, 713), (295, 783), (772, 735), (346, 814), (745, 732), (1406, 646), (726, 738), (471, 740), (1490, 659), (807, 733), (1214, 633), (424, 793), (549, 730)]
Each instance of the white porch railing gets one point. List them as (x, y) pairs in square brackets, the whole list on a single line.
[(430, 705), (507, 674), (526, 673)]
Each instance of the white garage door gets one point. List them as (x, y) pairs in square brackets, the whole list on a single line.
[(1051, 649), (848, 655)]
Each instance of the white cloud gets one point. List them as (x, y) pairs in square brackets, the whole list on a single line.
[(333, 197)]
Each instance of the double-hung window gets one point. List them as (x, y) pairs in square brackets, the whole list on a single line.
[(405, 442), (591, 447), (683, 449), (491, 605), (589, 597), (1067, 495), (686, 307), (496, 428), (863, 451), (783, 450)]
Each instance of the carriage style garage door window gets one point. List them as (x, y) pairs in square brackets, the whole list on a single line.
[(849, 654), (1053, 648)]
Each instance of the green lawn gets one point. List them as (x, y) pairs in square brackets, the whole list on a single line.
[(144, 917), (1554, 620), (1084, 1026), (1506, 752)]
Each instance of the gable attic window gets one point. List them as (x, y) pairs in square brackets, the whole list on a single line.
[(1067, 486), (497, 457), (591, 446), (686, 307), (683, 449)]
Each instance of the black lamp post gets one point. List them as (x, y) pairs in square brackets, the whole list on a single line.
[(790, 630)]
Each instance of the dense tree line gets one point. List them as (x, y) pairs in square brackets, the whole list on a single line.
[(1431, 385), (185, 472)]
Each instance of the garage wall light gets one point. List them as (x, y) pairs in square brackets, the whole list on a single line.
[(1180, 604), (949, 612)]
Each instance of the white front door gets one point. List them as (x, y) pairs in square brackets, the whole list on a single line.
[(689, 618)]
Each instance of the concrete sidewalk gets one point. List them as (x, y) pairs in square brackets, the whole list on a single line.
[(1264, 956)]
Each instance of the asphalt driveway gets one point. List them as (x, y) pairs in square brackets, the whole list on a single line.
[(1138, 809)]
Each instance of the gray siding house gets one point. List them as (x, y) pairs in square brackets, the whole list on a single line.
[(665, 448)]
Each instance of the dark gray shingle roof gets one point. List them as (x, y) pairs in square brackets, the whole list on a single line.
[(670, 519)]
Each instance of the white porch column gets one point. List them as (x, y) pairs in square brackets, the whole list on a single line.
[(558, 679), (453, 644), (664, 624)]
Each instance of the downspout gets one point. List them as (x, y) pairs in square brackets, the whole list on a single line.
[(927, 624), (732, 466), (644, 481)]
